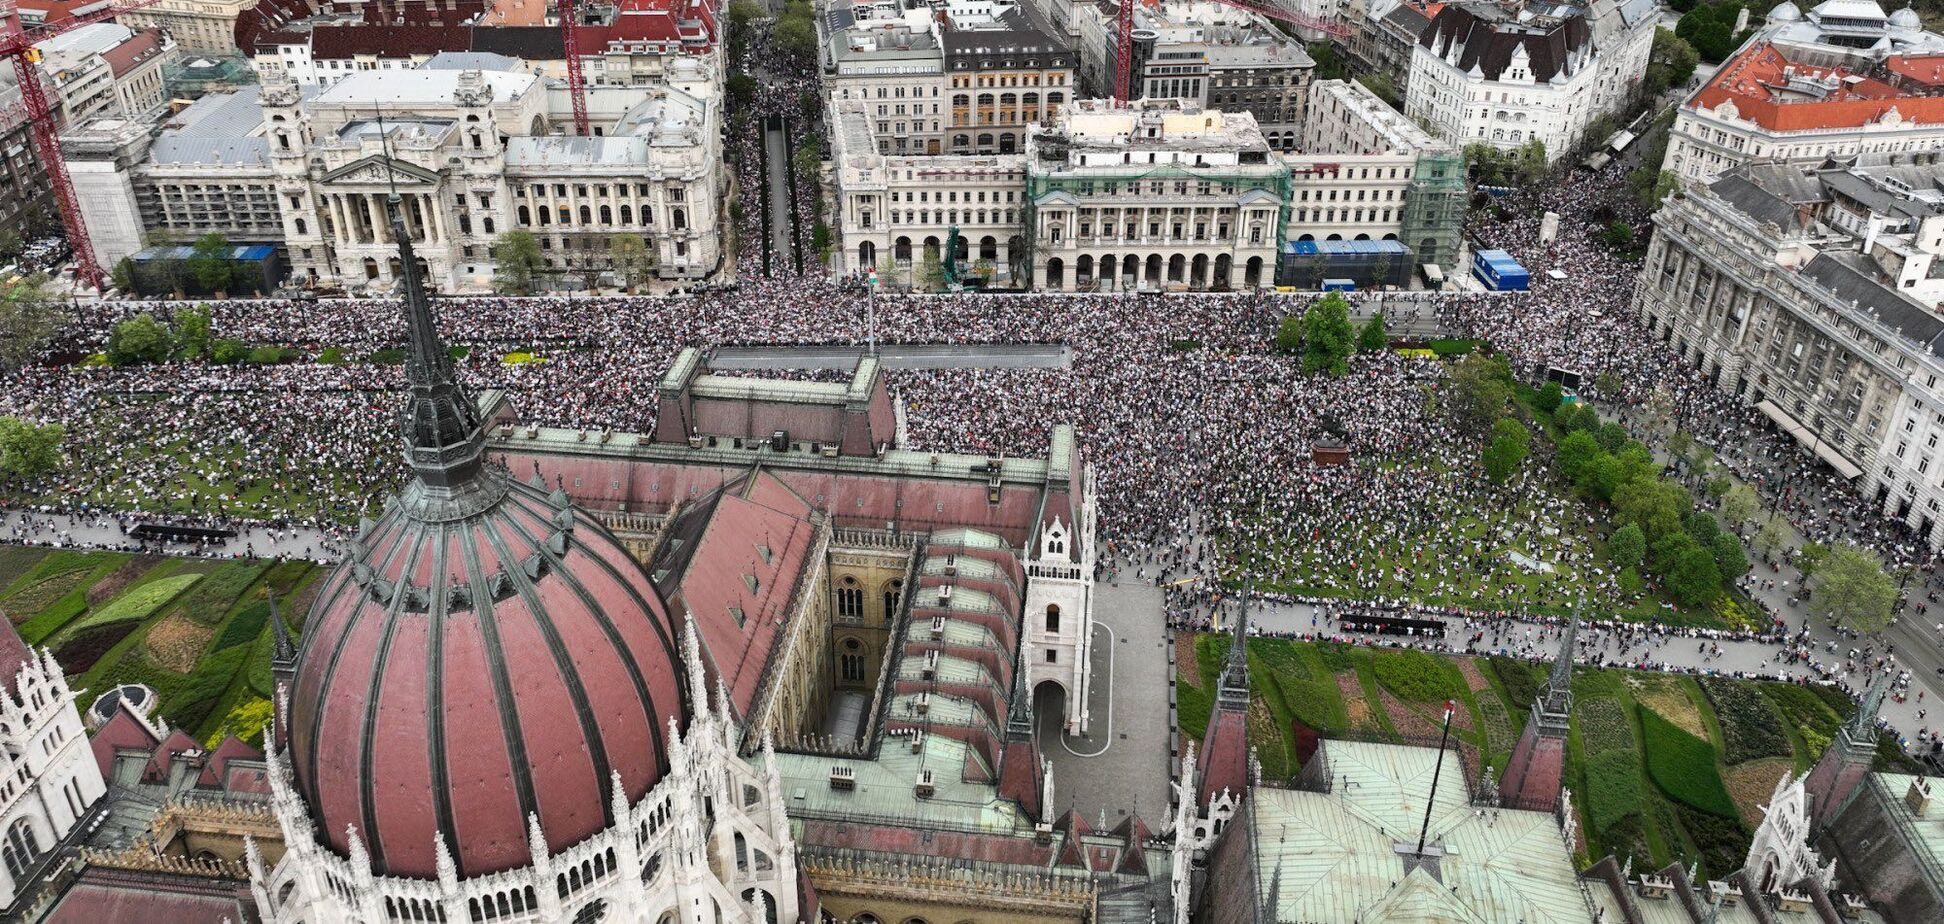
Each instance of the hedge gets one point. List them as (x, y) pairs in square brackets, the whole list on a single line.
[(244, 627), (1603, 726), (1683, 766), (212, 598), (1721, 841), (1750, 729), (1612, 788), (54, 618), (189, 701), (1416, 676), (1521, 684), (141, 602), (84, 648), (1803, 709)]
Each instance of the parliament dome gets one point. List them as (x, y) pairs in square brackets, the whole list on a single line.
[(486, 653)]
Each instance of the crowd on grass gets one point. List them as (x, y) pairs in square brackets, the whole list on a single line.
[(1198, 431)]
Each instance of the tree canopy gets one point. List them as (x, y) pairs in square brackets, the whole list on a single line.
[(1510, 443), (28, 450), (1326, 335), (1481, 388), (140, 339), (30, 315), (1371, 336), (1852, 588), (516, 261)]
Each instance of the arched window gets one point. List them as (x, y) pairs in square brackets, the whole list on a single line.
[(607, 215), (302, 227), (586, 215), (1052, 617), (679, 216), (627, 215), (959, 141)]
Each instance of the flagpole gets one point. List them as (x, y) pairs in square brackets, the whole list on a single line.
[(1436, 771)]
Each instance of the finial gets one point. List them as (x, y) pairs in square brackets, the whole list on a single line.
[(442, 859), (281, 651)]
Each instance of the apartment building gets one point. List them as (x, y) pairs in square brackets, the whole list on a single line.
[(105, 69), (204, 27), (1364, 172)]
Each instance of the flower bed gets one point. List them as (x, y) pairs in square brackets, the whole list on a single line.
[(1750, 729), (1416, 676), (1612, 788), (1603, 726), (142, 602)]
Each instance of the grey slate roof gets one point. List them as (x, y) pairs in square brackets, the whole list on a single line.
[(1842, 275), (220, 128)]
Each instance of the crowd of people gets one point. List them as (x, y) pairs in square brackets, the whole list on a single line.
[(1199, 432)]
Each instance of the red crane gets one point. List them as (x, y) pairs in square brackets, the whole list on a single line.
[(1124, 76), (17, 42), (576, 85)]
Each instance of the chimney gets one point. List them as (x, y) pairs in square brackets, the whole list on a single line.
[(1919, 797)]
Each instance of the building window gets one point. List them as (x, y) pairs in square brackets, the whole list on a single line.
[(850, 602), (1052, 656), (1052, 617)]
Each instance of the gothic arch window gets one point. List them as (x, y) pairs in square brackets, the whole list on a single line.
[(852, 661), (850, 599), (1052, 617), (893, 596)]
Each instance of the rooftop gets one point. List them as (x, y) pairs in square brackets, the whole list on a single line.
[(220, 128), (1763, 84), (370, 88), (1333, 857)]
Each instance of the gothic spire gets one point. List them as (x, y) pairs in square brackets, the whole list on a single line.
[(1019, 713), (1862, 725), (1235, 669), (1562, 670), (281, 651), (444, 439)]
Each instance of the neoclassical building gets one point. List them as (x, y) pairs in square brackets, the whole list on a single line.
[(472, 155), (1157, 194)]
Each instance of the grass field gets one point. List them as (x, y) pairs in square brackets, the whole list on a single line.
[(1645, 758), (197, 631)]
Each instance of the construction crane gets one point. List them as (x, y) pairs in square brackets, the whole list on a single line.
[(17, 42), (576, 85), (1124, 58)]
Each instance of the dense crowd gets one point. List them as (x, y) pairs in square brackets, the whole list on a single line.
[(1199, 433)]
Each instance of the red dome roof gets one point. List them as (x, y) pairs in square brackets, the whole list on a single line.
[(459, 674)]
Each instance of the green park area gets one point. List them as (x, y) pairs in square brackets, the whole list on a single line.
[(195, 630), (1662, 767)]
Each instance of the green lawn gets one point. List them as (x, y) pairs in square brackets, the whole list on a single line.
[(217, 607), (1643, 786)]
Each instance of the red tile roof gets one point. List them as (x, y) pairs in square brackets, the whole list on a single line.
[(1757, 79), (1924, 69), (106, 896), (13, 653), (122, 730), (140, 47)]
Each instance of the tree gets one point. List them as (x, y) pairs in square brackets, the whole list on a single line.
[(1853, 589), (30, 316), (209, 262), (1611, 436), (795, 35), (1510, 443), (1811, 558), (1670, 63), (1657, 507), (1627, 546), (1618, 235), (742, 90), (229, 350), (1371, 337), (1710, 29), (1729, 556), (1481, 387), (1739, 505), (633, 261), (192, 328), (123, 276), (140, 339), (1531, 159), (1602, 476), (1328, 65), (1579, 418), (516, 260), (1551, 395), (930, 274), (1326, 335), (1289, 334), (28, 450), (1695, 579), (1575, 451)]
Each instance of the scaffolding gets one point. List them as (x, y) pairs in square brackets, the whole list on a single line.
[(1163, 186), (1434, 208)]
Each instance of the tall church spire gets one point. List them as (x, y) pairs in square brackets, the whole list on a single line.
[(1234, 687), (445, 441)]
